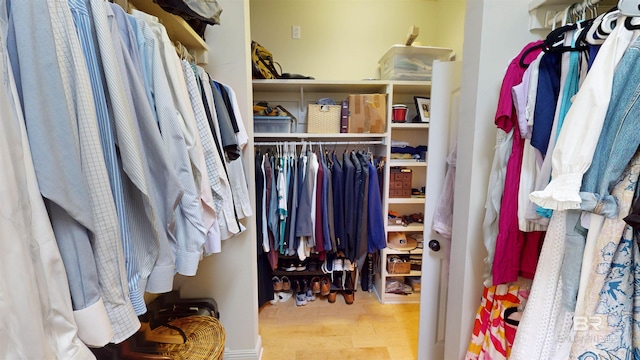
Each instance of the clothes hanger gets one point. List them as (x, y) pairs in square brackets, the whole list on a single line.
[(629, 7)]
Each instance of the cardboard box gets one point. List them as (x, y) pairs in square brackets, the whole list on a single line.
[(368, 113)]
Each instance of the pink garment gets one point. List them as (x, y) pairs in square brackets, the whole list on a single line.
[(514, 253)]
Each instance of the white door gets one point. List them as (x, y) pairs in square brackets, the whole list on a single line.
[(443, 129)]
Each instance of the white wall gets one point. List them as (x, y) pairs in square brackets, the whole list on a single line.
[(345, 39), (231, 276), (495, 31)]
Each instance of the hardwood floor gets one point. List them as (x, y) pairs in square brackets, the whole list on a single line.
[(320, 330)]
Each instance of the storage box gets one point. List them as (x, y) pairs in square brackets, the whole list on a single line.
[(398, 267), (368, 113), (402, 62), (400, 182), (414, 281), (272, 124), (323, 119)]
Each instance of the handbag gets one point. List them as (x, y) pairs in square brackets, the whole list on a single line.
[(263, 66)]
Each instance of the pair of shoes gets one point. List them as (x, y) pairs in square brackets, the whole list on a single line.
[(349, 296), (277, 283), (331, 297), (286, 284), (301, 294), (325, 286), (301, 299), (315, 285), (310, 296)]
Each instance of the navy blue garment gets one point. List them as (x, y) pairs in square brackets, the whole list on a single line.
[(363, 206), (337, 179), (325, 203), (350, 205), (593, 51), (375, 222), (546, 100), (359, 190)]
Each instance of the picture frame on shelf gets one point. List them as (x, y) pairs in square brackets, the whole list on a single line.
[(423, 108)]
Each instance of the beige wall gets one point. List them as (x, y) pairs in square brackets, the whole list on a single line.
[(344, 39)]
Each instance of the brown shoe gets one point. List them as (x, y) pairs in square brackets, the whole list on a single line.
[(286, 284), (315, 285), (325, 286), (349, 296), (332, 296)]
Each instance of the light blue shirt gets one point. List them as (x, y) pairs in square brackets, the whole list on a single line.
[(164, 188), (85, 32), (190, 231)]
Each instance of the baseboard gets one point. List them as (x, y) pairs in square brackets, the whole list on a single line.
[(251, 354)]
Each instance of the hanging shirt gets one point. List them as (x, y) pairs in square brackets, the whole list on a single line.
[(36, 279), (375, 223), (510, 243), (546, 100), (163, 178), (575, 147), (237, 175), (85, 33), (350, 205), (337, 183)]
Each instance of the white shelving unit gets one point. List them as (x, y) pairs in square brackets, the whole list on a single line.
[(415, 134), (295, 95)]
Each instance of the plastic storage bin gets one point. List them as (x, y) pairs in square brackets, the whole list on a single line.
[(272, 124), (411, 62)]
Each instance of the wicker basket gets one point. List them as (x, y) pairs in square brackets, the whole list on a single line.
[(398, 267), (205, 339), (323, 119)]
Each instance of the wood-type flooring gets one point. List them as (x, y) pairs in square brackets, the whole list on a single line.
[(320, 330)]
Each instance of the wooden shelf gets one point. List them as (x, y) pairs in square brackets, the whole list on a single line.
[(337, 137), (413, 126), (411, 87), (177, 28), (412, 273), (407, 163), (416, 251), (364, 87), (411, 200), (410, 227)]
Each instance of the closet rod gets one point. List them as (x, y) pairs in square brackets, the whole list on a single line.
[(273, 143), (572, 10)]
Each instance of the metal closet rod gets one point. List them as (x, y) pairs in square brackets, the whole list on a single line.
[(273, 143)]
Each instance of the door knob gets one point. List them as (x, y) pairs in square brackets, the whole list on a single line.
[(434, 245)]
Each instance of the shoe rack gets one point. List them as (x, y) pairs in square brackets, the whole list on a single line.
[(310, 279)]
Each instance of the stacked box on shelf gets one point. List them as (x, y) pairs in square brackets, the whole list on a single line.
[(400, 183)]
